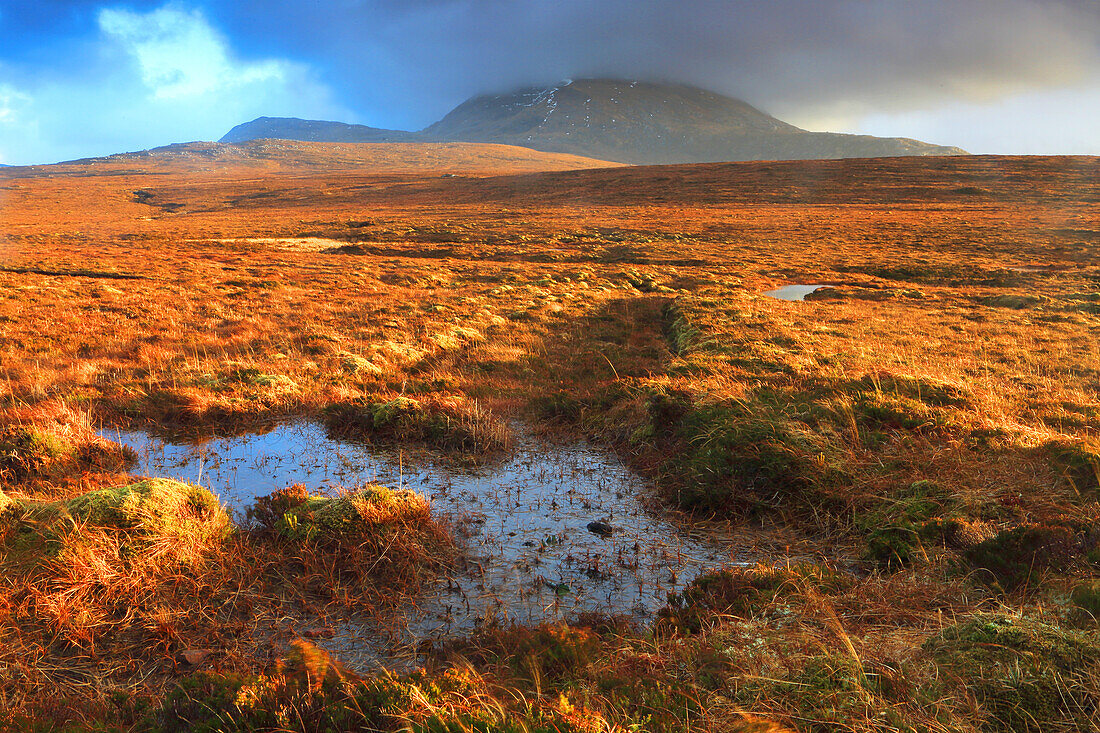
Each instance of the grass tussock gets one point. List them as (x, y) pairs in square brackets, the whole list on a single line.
[(455, 426), (371, 532), (309, 690)]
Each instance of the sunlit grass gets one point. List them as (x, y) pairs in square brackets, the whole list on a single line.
[(913, 424)]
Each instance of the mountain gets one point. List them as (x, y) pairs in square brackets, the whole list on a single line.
[(315, 131), (624, 121)]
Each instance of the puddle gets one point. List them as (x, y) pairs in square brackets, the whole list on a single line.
[(530, 556), (794, 292)]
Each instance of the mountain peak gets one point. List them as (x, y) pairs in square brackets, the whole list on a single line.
[(627, 121)]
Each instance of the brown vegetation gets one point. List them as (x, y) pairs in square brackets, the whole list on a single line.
[(936, 417)]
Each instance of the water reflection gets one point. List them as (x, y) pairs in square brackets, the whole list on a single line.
[(794, 292), (529, 553)]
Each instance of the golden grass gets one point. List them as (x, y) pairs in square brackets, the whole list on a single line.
[(627, 303)]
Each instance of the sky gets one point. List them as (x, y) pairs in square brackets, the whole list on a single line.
[(92, 77)]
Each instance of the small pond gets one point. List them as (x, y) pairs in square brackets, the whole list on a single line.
[(529, 555), (794, 292)]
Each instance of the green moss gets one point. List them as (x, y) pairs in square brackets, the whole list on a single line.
[(30, 453), (181, 516), (553, 651), (558, 406), (933, 392), (307, 694), (895, 529), (1078, 463), (450, 426), (741, 592), (1014, 301), (1086, 596), (1017, 556), (354, 364), (154, 507), (1028, 675), (738, 452), (295, 515), (830, 692), (893, 411), (891, 548)]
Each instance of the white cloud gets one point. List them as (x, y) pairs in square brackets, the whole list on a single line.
[(11, 100), (180, 55), (153, 78), (1045, 122)]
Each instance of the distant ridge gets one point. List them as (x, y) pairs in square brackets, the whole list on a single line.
[(315, 131), (448, 159), (624, 121)]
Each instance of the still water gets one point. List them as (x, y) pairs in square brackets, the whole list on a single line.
[(529, 555), (794, 292)]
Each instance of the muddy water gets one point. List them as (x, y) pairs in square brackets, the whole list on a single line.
[(529, 555), (794, 292)]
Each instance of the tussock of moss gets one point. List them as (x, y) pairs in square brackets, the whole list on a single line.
[(155, 507), (893, 411), (1017, 556), (586, 668), (296, 515), (933, 392), (374, 532), (1086, 596), (741, 592), (175, 515), (739, 451), (897, 528), (1028, 675), (1079, 463), (31, 453), (26, 452), (451, 426), (1014, 301)]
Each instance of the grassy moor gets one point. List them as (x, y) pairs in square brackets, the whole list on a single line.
[(910, 457)]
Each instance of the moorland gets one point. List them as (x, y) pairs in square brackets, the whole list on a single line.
[(925, 430)]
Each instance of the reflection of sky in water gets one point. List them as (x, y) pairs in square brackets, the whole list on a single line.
[(794, 292), (530, 556)]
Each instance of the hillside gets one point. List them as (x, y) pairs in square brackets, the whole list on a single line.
[(292, 128), (382, 158), (625, 121)]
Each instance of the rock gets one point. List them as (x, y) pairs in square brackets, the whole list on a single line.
[(603, 529), (194, 657)]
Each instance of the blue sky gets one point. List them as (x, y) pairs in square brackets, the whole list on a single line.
[(92, 77)]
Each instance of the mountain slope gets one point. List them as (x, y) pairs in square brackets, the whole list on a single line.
[(636, 122), (316, 131), (624, 121), (375, 158)]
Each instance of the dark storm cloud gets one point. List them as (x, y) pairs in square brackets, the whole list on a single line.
[(82, 77), (408, 62)]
